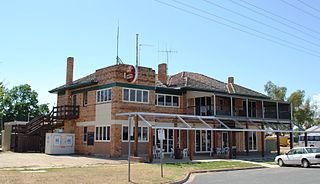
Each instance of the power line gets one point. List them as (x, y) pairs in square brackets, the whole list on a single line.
[(283, 18), (268, 38), (315, 9), (267, 25), (275, 20), (300, 9)]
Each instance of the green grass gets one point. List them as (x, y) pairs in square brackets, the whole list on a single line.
[(212, 165)]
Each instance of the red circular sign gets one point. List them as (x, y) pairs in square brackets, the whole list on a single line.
[(131, 74)]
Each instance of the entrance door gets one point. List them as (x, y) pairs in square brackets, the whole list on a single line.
[(224, 139), (252, 141), (203, 141), (167, 142), (252, 109)]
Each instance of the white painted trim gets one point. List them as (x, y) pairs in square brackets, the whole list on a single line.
[(142, 90), (95, 128), (164, 102), (107, 95), (141, 127)]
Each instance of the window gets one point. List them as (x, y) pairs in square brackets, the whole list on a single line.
[(103, 133), (167, 100), (135, 95), (85, 98), (84, 134), (74, 100), (104, 95), (143, 133)]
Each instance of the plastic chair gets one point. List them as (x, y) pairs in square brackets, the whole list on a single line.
[(172, 152), (185, 152)]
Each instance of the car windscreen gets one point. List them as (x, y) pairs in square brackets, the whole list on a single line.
[(313, 150)]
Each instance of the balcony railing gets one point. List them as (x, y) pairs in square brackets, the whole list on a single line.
[(269, 113)]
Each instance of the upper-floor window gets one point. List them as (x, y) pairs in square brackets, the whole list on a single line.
[(167, 100), (135, 95), (104, 95), (103, 133), (85, 98)]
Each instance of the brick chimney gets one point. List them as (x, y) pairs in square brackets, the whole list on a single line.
[(162, 73), (69, 77), (230, 80)]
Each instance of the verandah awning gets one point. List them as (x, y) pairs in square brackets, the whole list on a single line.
[(202, 120)]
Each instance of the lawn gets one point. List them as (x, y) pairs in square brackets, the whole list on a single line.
[(141, 173)]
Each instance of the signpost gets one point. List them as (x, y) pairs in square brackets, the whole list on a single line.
[(129, 149), (161, 137)]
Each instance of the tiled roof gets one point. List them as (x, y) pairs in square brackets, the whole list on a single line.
[(89, 79), (200, 81)]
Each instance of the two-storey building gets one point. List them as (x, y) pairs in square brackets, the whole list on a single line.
[(189, 97)]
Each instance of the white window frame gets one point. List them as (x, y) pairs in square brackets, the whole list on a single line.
[(195, 141), (82, 137), (95, 133), (141, 130), (252, 139), (103, 91), (164, 100), (135, 100)]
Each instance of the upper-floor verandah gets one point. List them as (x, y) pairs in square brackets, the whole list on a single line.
[(212, 104)]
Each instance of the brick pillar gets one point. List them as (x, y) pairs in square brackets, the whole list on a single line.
[(69, 74), (230, 134), (175, 134), (150, 145), (136, 125), (262, 140), (116, 146), (162, 73), (247, 139), (214, 137), (191, 143)]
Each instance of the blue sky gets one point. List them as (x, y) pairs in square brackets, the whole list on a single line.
[(36, 37)]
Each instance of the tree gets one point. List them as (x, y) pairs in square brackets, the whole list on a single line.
[(2, 91), (304, 115), (21, 104), (275, 92), (297, 99)]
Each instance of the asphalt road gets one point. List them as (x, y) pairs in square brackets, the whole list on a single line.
[(284, 175)]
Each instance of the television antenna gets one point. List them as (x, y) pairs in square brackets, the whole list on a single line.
[(118, 60), (167, 52)]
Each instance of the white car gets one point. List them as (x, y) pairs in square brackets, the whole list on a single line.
[(304, 156)]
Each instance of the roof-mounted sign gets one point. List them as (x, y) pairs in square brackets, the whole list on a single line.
[(131, 74)]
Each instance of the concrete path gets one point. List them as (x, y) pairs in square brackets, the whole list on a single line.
[(41, 160)]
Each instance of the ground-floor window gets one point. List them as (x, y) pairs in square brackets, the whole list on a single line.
[(143, 134), (203, 140), (167, 142), (224, 139), (103, 133), (84, 135), (252, 141)]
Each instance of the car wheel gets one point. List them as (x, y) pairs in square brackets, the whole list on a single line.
[(280, 163), (305, 163)]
